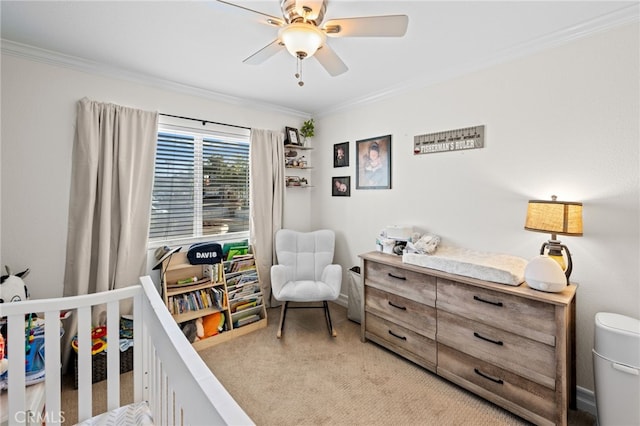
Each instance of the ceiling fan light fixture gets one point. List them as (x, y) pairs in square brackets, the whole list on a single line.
[(301, 39)]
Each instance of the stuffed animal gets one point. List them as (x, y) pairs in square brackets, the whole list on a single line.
[(199, 329), (190, 331), (12, 287), (428, 244)]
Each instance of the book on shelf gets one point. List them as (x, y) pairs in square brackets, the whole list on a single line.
[(249, 311), (246, 320), (246, 303), (244, 291), (240, 263), (211, 297)]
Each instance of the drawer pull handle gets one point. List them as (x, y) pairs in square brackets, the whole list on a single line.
[(396, 306), (480, 299), (495, 342), (397, 277), (395, 335), (486, 376)]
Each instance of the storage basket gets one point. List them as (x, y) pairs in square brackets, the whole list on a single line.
[(99, 365)]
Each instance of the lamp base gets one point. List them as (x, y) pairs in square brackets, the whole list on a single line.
[(542, 273), (558, 252)]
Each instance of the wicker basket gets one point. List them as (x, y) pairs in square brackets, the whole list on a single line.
[(99, 365)]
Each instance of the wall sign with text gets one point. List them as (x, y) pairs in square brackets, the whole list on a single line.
[(449, 140)]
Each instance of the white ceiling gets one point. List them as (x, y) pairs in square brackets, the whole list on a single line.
[(200, 45)]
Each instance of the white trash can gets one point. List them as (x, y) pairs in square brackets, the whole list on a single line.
[(354, 292), (616, 367)]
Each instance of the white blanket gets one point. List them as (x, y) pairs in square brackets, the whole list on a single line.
[(494, 267), (136, 414)]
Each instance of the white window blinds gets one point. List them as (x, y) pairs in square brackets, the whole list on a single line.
[(201, 185)]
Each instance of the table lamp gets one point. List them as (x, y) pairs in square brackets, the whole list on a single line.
[(555, 217)]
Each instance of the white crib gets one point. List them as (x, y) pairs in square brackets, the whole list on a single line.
[(168, 374)]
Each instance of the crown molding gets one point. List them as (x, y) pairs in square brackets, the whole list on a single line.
[(626, 15), (49, 57)]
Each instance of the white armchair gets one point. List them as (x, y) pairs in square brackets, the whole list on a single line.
[(305, 272)]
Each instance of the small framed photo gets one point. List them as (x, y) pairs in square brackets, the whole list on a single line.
[(293, 138), (373, 163), (341, 186), (341, 154)]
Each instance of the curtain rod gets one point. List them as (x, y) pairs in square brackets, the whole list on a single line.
[(205, 121)]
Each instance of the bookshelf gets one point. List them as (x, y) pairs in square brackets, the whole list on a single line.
[(228, 293)]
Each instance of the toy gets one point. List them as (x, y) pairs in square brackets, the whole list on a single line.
[(4, 362), (199, 329), (98, 340), (189, 329), (12, 287)]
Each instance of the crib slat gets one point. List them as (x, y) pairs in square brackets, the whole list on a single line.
[(85, 396), (16, 353), (140, 336), (52, 364), (113, 355)]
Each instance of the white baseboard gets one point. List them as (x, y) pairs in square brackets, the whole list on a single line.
[(586, 400), (342, 300)]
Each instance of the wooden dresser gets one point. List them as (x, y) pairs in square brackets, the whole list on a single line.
[(513, 346)]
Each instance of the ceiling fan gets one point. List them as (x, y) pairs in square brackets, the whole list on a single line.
[(303, 33)]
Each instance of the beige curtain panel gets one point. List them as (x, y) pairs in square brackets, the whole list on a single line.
[(111, 185), (267, 199)]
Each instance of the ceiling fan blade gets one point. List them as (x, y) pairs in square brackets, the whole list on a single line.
[(273, 20), (265, 53), (330, 60), (368, 26)]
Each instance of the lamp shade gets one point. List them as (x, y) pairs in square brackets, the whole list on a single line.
[(301, 39), (554, 217)]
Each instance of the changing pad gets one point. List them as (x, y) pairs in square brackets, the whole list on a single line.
[(494, 267)]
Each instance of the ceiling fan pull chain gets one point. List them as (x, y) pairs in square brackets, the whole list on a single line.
[(299, 72)]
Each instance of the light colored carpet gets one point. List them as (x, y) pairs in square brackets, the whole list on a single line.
[(309, 378)]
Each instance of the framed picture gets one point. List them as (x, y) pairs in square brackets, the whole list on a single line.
[(341, 186), (373, 163), (341, 154), (293, 138)]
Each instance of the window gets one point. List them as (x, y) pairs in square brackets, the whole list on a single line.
[(201, 185)]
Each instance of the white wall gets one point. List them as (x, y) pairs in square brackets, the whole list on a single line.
[(564, 122), (38, 119)]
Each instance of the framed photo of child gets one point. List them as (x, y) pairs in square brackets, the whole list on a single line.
[(373, 163), (341, 186), (341, 154)]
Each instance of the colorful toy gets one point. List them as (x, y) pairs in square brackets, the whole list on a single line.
[(98, 340), (4, 362)]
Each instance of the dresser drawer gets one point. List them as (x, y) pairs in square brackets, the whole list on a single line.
[(526, 357), (528, 399), (399, 339), (526, 317), (408, 284), (412, 315)]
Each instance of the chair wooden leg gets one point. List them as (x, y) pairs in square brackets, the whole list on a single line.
[(327, 315), (283, 314)]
